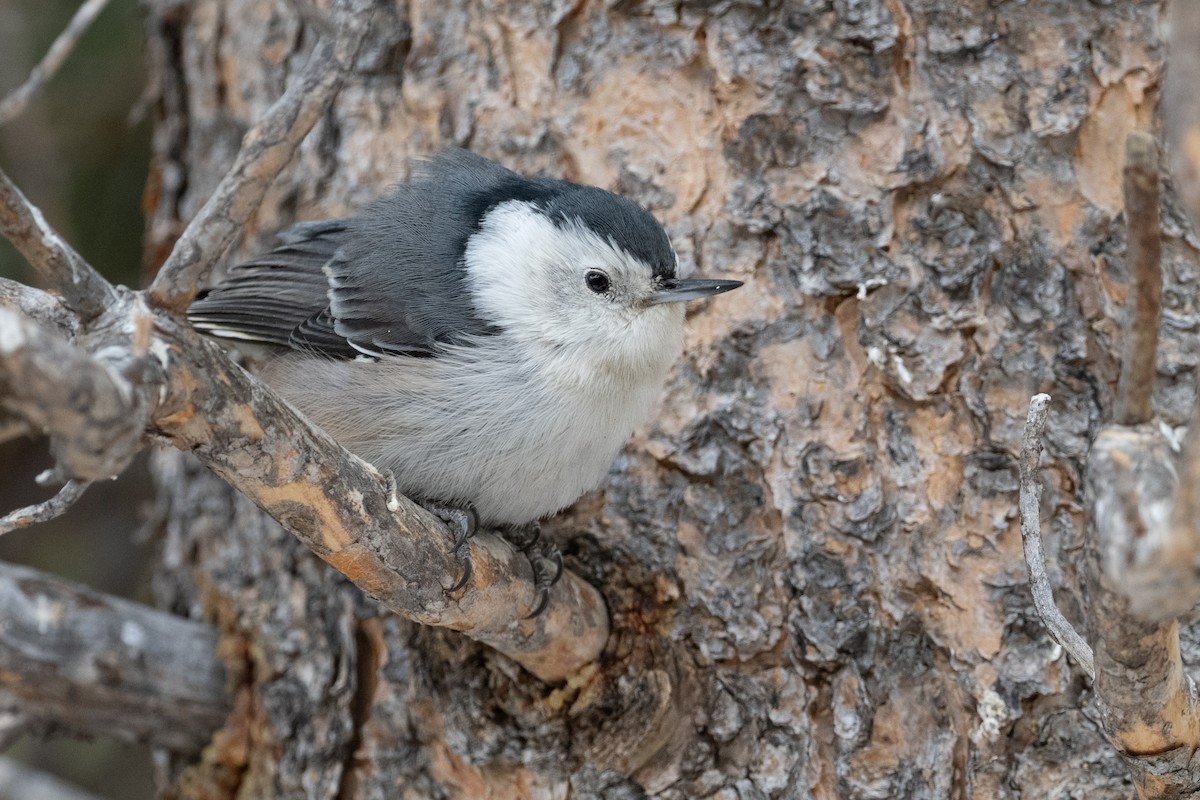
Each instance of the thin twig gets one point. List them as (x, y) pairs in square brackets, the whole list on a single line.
[(22, 223), (18, 99), (1144, 250), (266, 149), (1031, 536), (46, 510)]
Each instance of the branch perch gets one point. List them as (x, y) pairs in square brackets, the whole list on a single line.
[(334, 502), (342, 509)]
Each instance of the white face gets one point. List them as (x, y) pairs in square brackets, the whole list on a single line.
[(568, 292)]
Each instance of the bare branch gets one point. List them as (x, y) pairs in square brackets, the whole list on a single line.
[(93, 664), (42, 307), (14, 104), (89, 410), (1144, 251), (1031, 537), (18, 780), (41, 512), (266, 149), (84, 289)]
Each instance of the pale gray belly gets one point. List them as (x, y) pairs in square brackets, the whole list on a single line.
[(517, 446)]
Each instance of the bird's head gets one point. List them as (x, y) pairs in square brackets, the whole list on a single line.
[(585, 274)]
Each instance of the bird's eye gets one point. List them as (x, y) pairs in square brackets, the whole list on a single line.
[(597, 281)]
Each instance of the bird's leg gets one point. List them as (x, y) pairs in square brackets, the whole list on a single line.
[(463, 520), (544, 559)]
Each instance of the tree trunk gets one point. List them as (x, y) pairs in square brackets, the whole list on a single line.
[(811, 554)]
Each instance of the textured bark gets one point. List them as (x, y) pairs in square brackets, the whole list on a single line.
[(811, 555)]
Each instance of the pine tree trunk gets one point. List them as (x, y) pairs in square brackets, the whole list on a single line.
[(811, 554)]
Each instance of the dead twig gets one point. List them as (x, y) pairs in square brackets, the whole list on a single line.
[(1056, 624), (82, 287), (1144, 251), (56, 506), (14, 104), (266, 149)]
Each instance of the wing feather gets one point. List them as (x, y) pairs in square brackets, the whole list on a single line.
[(389, 281)]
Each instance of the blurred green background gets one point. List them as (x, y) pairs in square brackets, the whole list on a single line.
[(80, 153)]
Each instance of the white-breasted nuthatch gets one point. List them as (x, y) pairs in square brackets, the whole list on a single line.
[(490, 339)]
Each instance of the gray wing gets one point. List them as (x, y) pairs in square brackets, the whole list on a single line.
[(388, 281), (401, 279), (279, 298)]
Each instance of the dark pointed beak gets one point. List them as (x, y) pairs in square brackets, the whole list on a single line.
[(675, 290)]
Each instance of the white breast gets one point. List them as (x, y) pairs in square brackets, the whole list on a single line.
[(519, 442)]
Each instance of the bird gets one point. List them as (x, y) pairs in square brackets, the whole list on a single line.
[(490, 339)]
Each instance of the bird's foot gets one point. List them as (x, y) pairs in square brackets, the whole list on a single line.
[(544, 558), (464, 521)]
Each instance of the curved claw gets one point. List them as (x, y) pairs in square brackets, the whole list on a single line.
[(468, 522), (555, 557), (544, 558), (543, 601), (464, 556), (464, 520)]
